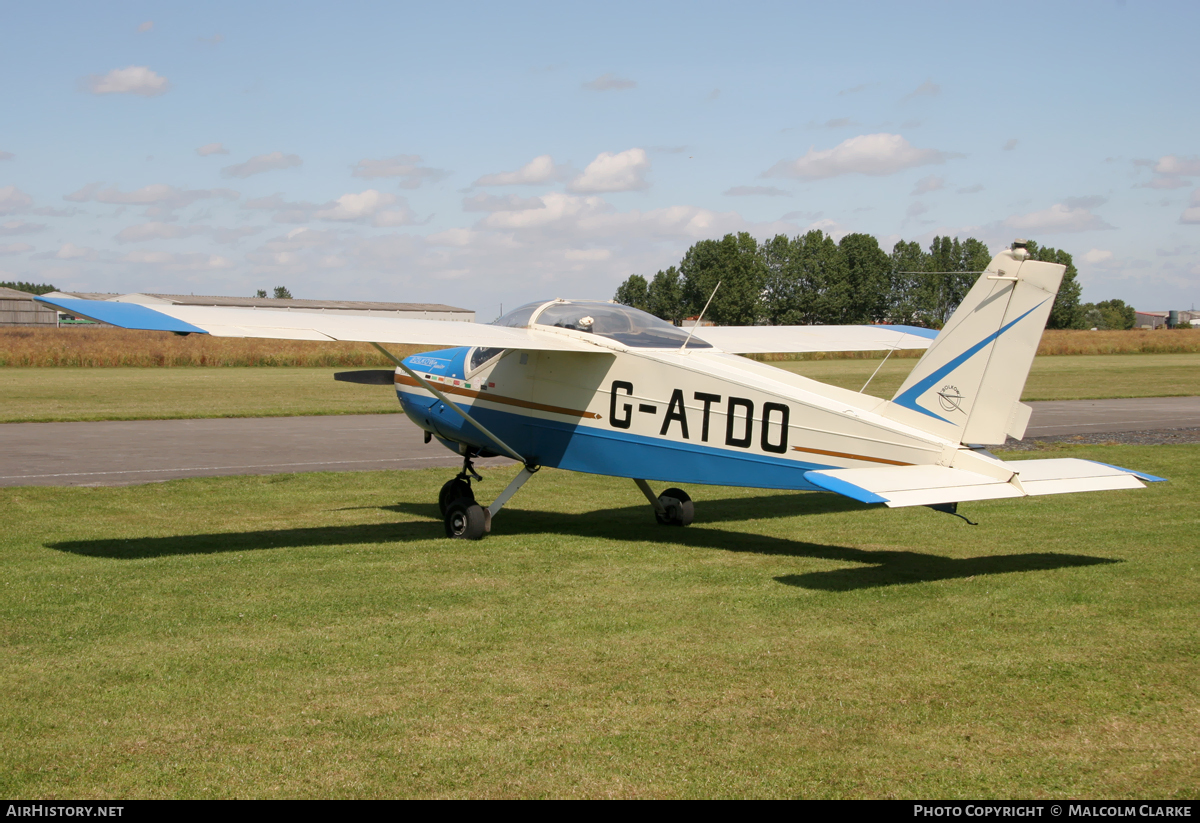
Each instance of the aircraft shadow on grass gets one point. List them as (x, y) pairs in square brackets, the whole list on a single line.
[(630, 523)]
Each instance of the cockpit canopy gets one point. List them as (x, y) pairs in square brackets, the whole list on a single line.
[(625, 324)]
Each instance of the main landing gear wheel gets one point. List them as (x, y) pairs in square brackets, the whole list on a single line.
[(679, 508), (465, 520), (453, 490)]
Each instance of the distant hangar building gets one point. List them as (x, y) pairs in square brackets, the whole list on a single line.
[(23, 311)]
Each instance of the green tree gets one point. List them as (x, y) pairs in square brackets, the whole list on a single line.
[(735, 263), (1115, 314), (868, 269), (1067, 312), (31, 288), (633, 292), (281, 293), (261, 293), (907, 302), (807, 281), (945, 288), (664, 296)]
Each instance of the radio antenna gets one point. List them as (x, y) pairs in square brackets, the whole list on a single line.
[(701, 317)]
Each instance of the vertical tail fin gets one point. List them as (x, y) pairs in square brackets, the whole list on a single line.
[(968, 384)]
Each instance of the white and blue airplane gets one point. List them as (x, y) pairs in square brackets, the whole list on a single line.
[(598, 387)]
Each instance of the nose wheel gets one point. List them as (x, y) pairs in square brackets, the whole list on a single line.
[(463, 517)]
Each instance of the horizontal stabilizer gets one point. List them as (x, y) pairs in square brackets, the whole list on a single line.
[(912, 485), (897, 486)]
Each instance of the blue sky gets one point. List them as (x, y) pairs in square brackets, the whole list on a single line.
[(479, 154)]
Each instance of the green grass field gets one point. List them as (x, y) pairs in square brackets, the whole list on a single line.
[(315, 636), (67, 393)]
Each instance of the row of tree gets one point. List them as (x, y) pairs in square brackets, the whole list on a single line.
[(31, 288), (810, 279)]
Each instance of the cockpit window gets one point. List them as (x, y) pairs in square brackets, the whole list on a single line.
[(480, 355), (519, 318), (624, 324)]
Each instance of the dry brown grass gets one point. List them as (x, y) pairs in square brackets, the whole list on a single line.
[(101, 346), (1056, 342)]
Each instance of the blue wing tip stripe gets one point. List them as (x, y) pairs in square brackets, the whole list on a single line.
[(1149, 478), (123, 315), (928, 334), (839, 486)]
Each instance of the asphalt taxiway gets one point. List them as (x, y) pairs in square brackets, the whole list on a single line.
[(119, 453)]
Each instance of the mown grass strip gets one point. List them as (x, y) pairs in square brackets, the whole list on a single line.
[(315, 636)]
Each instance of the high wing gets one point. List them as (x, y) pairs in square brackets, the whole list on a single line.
[(314, 325), (783, 339)]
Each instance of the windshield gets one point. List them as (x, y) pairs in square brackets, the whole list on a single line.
[(625, 324)]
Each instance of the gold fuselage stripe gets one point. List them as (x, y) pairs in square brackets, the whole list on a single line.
[(405, 380), (852, 456)]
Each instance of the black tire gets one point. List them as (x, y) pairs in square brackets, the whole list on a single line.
[(453, 490), (680, 510), (465, 520)]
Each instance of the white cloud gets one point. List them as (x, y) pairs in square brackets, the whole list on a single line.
[(874, 154), (926, 89), (13, 200), (1191, 215), (357, 206), (1165, 181), (1010, 144), (156, 231), (138, 80), (587, 255), (6, 155), (490, 202), (405, 166), (212, 148), (20, 227), (836, 123), (929, 183), (1097, 256), (451, 237), (160, 198), (262, 163), (539, 170), (756, 191), (147, 26), (1061, 217), (177, 262), (1183, 166), (611, 172), (610, 82), (557, 206), (68, 251), (231, 236), (16, 248), (394, 217)]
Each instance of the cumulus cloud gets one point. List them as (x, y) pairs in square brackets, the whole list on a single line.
[(609, 172), (6, 155), (1170, 170), (539, 170), (262, 163), (1061, 217), (926, 89), (610, 82), (286, 211), (15, 248), (147, 26), (1097, 256), (358, 206), (929, 183), (1190, 215), (490, 203), (169, 261), (159, 198), (139, 80), (405, 166), (756, 191), (212, 148), (14, 201), (20, 227), (68, 251), (156, 231), (874, 154), (228, 237)]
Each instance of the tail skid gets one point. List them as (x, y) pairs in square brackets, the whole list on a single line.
[(967, 386)]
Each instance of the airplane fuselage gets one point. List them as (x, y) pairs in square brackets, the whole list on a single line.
[(689, 417)]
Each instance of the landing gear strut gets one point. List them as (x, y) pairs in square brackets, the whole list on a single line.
[(464, 518), (671, 508)]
